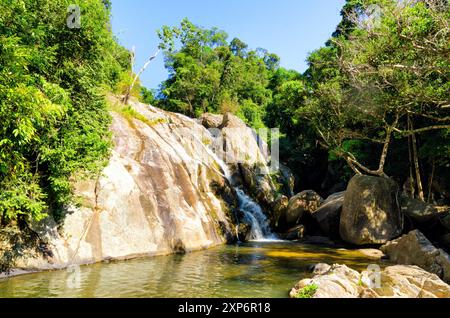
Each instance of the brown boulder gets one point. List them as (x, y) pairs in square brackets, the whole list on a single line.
[(370, 212), (211, 120), (305, 202), (232, 121), (415, 249), (328, 214)]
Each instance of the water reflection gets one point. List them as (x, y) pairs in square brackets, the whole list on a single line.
[(267, 269)]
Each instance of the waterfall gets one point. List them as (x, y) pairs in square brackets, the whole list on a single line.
[(253, 214)]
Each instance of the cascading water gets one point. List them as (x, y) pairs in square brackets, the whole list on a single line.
[(253, 214)]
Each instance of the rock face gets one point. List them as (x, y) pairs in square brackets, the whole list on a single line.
[(259, 185), (415, 249), (400, 281), (161, 193), (328, 214), (304, 202), (370, 212), (247, 155), (238, 144)]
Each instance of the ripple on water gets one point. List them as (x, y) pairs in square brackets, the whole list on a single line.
[(255, 269)]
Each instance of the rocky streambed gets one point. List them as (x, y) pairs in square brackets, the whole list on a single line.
[(172, 186)]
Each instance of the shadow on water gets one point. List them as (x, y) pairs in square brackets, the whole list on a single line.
[(256, 269)]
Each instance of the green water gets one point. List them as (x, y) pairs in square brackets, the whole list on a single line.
[(268, 269)]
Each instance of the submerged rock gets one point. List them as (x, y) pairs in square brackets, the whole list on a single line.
[(370, 212), (415, 249), (400, 281)]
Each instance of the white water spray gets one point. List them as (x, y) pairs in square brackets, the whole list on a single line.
[(253, 214)]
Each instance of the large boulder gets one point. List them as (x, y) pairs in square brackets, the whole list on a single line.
[(243, 231), (232, 121), (162, 192), (415, 249), (370, 213), (246, 155), (400, 281), (210, 121), (328, 214), (305, 202)]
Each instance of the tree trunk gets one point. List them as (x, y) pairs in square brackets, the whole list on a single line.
[(430, 181), (130, 88), (412, 188), (416, 162)]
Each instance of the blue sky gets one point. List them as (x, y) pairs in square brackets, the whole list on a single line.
[(289, 28)]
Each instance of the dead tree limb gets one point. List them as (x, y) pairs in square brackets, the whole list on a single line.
[(130, 88)]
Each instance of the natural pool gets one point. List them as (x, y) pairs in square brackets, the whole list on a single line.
[(256, 269)]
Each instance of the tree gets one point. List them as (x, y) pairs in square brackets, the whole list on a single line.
[(52, 109), (208, 74), (378, 81)]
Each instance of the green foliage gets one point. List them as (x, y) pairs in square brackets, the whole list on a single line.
[(147, 96), (53, 114), (208, 74), (307, 292), (375, 72), (128, 112)]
